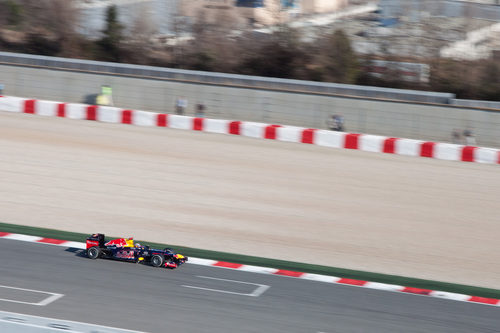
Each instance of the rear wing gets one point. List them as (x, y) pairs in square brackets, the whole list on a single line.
[(95, 240)]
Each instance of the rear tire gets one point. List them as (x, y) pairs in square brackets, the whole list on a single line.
[(157, 260), (94, 252)]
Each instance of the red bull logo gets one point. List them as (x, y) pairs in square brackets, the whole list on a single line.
[(125, 254), (119, 242)]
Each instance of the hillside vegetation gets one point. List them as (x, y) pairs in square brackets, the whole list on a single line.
[(50, 27)]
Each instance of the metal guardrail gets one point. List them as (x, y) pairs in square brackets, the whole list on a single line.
[(200, 77), (476, 104)]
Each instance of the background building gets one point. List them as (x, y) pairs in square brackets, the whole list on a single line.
[(262, 12), (322, 6)]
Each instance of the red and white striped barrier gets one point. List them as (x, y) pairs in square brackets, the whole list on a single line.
[(282, 272), (364, 142)]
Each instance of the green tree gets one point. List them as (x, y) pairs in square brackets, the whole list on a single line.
[(14, 12), (38, 43), (448, 75), (281, 55), (338, 62), (489, 81), (110, 43)]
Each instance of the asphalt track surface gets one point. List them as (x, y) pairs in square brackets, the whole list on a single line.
[(140, 297), (398, 215)]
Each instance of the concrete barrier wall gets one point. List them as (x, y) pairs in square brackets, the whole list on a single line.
[(388, 118), (332, 139), (222, 79)]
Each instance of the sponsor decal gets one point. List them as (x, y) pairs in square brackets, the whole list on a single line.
[(125, 254)]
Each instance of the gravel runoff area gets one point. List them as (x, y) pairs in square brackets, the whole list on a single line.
[(399, 215)]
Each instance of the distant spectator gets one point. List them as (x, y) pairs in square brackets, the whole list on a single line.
[(181, 105), (200, 110), (470, 139), (107, 95), (456, 136), (336, 123), (105, 98)]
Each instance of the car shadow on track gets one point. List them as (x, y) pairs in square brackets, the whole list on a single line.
[(81, 253), (78, 252)]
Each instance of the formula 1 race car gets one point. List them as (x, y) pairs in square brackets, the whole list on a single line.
[(127, 250)]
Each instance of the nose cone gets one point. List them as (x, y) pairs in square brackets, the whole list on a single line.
[(171, 265)]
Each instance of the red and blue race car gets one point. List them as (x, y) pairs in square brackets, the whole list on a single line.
[(127, 249)]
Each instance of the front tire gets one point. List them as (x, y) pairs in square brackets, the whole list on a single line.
[(157, 260), (94, 252)]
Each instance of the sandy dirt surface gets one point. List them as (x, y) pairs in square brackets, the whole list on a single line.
[(391, 214)]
